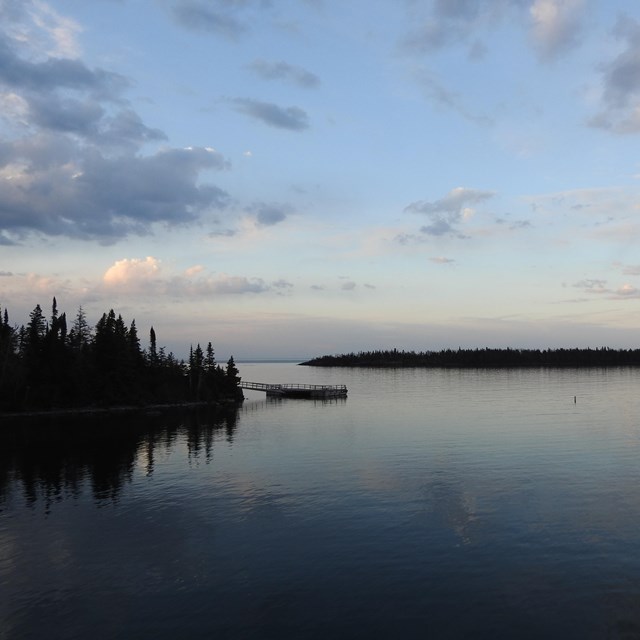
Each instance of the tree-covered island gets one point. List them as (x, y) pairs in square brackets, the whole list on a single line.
[(51, 363), (483, 358)]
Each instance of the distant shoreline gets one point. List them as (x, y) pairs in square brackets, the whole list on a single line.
[(483, 358)]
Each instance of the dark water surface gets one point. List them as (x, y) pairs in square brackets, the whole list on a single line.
[(429, 504)]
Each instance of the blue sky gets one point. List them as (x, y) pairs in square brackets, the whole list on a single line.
[(294, 178)]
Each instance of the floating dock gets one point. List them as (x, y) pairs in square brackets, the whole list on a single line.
[(298, 390)]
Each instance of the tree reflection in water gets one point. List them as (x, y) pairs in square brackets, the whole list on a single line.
[(55, 457)]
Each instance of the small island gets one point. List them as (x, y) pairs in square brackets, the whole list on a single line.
[(52, 365), (483, 358)]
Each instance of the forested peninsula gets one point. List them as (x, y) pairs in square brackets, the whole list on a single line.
[(50, 364), (483, 358)]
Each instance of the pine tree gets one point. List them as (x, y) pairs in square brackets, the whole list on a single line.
[(11, 373), (232, 380), (232, 372), (36, 327), (210, 360), (153, 348), (80, 334)]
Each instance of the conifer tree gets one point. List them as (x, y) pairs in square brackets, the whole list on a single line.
[(80, 334), (153, 348), (210, 360), (232, 372)]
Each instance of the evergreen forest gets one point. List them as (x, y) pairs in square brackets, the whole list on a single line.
[(483, 358), (51, 363)]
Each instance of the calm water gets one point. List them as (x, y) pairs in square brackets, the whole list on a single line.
[(429, 504)]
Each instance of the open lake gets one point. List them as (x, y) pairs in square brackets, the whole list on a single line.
[(428, 504)]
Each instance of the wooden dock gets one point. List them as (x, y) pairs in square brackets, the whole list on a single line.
[(298, 390)]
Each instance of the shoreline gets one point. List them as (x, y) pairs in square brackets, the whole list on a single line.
[(118, 409)]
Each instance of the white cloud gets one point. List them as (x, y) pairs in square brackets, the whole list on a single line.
[(192, 271), (132, 273), (149, 277)]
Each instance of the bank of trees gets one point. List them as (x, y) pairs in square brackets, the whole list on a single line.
[(484, 358), (54, 362)]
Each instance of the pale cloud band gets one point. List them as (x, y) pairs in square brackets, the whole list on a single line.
[(149, 277)]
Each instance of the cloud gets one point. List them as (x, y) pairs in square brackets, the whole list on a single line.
[(192, 271), (441, 260), (40, 28), (65, 96), (5, 241), (268, 215), (447, 22), (406, 239), (282, 284), (213, 17), (631, 269), (621, 83), (598, 287), (66, 115), (448, 212), (235, 285), (291, 118), (628, 291), (514, 225), (148, 277), (556, 26), (592, 285), (223, 233), (437, 93), (230, 19), (134, 271), (54, 189), (56, 73), (601, 208), (286, 72), (72, 158), (126, 130)]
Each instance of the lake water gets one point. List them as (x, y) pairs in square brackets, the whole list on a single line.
[(428, 504)]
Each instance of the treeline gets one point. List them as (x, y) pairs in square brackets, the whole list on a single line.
[(484, 358), (51, 363)]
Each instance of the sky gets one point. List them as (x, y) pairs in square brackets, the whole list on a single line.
[(291, 178)]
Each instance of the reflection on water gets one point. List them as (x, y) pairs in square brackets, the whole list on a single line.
[(445, 504), (53, 458)]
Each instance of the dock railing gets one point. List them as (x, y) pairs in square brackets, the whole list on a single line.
[(263, 386)]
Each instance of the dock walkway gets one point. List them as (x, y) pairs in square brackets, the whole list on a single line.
[(298, 390)]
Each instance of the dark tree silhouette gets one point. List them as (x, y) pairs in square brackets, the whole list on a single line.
[(44, 366), (484, 358)]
